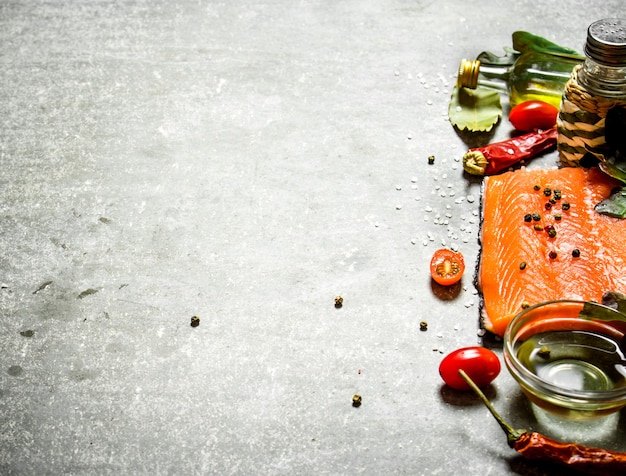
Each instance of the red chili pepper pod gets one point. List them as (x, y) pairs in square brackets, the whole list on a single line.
[(499, 156), (584, 459), (577, 457)]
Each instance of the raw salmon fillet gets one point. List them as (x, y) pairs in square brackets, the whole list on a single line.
[(507, 241)]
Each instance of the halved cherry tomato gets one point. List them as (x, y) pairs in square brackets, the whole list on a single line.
[(447, 266), (533, 115), (479, 363)]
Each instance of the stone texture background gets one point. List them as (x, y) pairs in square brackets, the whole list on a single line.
[(246, 162)]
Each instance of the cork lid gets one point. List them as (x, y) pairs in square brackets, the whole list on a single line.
[(606, 42)]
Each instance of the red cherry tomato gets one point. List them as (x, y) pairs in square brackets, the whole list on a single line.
[(479, 363), (447, 266), (533, 115)]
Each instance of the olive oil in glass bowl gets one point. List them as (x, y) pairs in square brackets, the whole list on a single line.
[(569, 364)]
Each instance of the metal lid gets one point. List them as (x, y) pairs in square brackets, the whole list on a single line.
[(468, 73), (606, 42)]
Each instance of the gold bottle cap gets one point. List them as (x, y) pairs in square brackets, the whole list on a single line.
[(468, 74)]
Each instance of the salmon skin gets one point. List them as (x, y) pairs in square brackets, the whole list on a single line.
[(565, 251)]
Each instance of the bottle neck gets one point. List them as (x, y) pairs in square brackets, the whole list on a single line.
[(473, 74), (602, 80)]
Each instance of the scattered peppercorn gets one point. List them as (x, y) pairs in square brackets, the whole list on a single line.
[(538, 227), (195, 321), (548, 205), (565, 206), (423, 326), (576, 253), (338, 302), (528, 217), (525, 305), (553, 200), (356, 400), (552, 254), (557, 216), (431, 159), (522, 265), (536, 216), (551, 231), (537, 187), (557, 194), (547, 191)]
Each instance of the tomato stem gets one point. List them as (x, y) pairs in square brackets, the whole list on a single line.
[(512, 434)]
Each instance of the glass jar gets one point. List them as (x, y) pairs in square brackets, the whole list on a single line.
[(568, 359), (595, 87)]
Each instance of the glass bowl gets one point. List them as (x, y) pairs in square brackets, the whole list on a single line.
[(568, 364)]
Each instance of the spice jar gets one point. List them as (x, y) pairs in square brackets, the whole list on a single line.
[(596, 87)]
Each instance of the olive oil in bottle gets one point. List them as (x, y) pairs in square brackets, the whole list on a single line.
[(533, 76)]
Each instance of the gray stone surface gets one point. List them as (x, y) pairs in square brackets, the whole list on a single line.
[(246, 162)]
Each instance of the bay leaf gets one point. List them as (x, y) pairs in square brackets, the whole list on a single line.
[(475, 110)]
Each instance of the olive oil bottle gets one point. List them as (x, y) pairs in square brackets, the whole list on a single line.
[(534, 75)]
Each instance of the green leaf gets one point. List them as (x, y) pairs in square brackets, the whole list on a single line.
[(475, 110), (525, 41), (614, 205), (508, 59), (613, 165), (613, 300)]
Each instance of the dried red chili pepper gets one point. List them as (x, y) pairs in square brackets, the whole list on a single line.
[(496, 157), (536, 446), (578, 457)]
